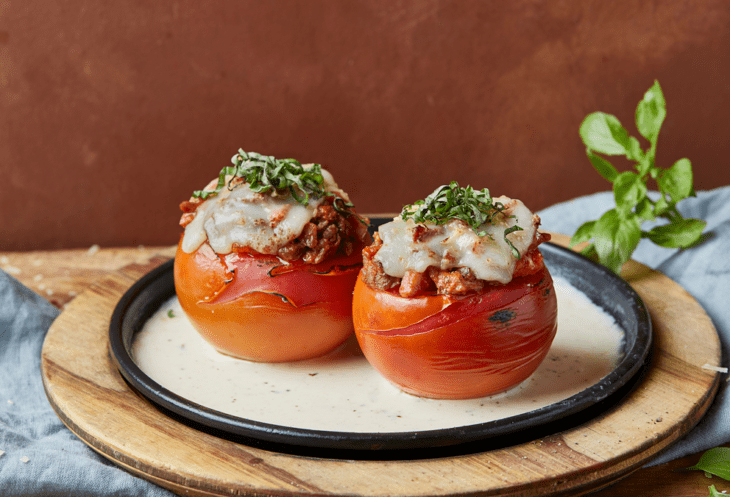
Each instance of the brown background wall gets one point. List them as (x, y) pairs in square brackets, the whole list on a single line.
[(111, 113)]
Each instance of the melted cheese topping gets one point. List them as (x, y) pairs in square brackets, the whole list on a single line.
[(245, 218), (455, 244)]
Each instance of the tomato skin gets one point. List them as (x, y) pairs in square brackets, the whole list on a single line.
[(236, 306), (452, 347)]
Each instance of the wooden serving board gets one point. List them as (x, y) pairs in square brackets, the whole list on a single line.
[(92, 399)]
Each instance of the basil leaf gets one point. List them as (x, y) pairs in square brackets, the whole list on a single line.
[(645, 166), (601, 165), (714, 492), (677, 180), (678, 234), (650, 113), (603, 133), (590, 252), (635, 153), (628, 190), (583, 233), (715, 461), (474, 207), (616, 236), (661, 206), (515, 252), (265, 173), (645, 209)]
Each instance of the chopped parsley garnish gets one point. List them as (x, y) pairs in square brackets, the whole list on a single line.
[(266, 174), (447, 202)]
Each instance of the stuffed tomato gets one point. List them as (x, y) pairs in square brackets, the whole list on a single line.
[(266, 266), (454, 300)]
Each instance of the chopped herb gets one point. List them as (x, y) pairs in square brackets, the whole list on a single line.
[(170, 314), (266, 174), (447, 202)]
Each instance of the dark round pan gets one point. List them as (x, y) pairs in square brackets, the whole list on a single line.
[(604, 288)]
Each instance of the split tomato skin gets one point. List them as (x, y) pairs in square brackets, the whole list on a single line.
[(254, 307), (458, 347)]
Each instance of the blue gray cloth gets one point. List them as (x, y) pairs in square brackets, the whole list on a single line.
[(41, 456), (59, 464), (704, 271)]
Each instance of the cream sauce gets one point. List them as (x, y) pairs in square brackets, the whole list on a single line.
[(342, 392)]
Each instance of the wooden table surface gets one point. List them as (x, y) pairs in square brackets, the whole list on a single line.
[(61, 275)]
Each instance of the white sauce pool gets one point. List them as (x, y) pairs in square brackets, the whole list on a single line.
[(342, 392)]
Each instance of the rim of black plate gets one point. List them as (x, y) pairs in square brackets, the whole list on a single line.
[(152, 290)]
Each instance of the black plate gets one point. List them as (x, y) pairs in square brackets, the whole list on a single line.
[(604, 288)]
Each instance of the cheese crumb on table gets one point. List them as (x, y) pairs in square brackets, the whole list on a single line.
[(25, 459), (715, 368), (12, 270)]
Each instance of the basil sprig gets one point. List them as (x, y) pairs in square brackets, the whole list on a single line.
[(447, 202), (618, 231), (265, 174)]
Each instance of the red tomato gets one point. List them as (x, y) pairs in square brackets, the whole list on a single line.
[(255, 307), (458, 347)]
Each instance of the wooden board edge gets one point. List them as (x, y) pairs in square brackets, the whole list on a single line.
[(630, 466)]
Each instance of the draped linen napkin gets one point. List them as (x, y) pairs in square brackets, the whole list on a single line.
[(41, 457), (703, 270)]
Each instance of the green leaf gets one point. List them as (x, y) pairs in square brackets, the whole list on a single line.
[(616, 236), (679, 234), (447, 202), (601, 165), (603, 133), (628, 190), (583, 233), (660, 206), (645, 166), (650, 113), (677, 180), (635, 152), (714, 492), (645, 209), (715, 461), (590, 252), (515, 252), (267, 174)]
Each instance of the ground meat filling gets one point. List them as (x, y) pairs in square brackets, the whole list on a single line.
[(188, 208), (322, 237), (372, 272), (457, 281)]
